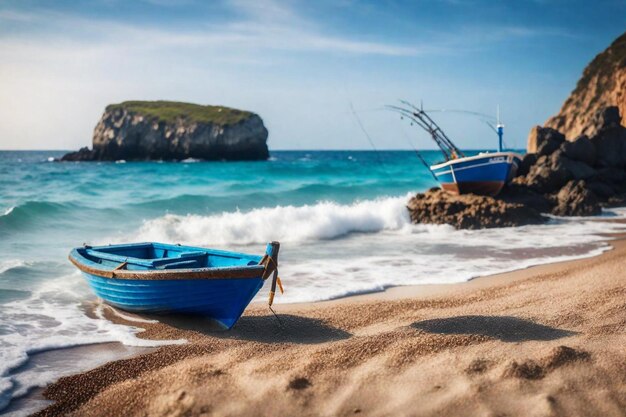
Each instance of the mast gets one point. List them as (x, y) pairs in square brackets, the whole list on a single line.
[(500, 130)]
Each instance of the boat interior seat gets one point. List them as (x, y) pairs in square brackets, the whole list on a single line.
[(191, 263), (192, 254), (117, 258), (193, 259), (196, 257)]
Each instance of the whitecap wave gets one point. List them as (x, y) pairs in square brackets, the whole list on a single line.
[(10, 264), (372, 245), (322, 221)]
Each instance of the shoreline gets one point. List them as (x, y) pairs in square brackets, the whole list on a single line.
[(399, 292), (307, 328), (74, 359)]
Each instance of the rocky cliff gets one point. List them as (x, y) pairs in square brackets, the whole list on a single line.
[(602, 84), (165, 130)]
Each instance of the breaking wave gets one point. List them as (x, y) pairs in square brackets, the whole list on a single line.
[(322, 221)]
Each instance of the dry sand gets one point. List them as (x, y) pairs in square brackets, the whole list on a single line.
[(546, 341)]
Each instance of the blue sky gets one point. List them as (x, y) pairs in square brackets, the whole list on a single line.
[(299, 64)]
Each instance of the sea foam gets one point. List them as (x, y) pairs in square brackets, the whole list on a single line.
[(322, 221), (52, 318), (372, 245)]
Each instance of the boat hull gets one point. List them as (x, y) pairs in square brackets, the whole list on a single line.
[(490, 188), (157, 278), (484, 174), (222, 300)]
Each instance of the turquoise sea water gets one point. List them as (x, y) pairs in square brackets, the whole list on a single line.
[(340, 217)]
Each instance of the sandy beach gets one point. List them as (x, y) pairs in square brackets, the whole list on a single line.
[(442, 186), (545, 341)]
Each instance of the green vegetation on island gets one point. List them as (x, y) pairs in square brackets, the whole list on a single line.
[(170, 111)]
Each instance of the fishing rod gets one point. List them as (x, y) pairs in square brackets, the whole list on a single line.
[(369, 138), (485, 118), (362, 127), (419, 117), (473, 113), (409, 115), (430, 126), (419, 155), (431, 123)]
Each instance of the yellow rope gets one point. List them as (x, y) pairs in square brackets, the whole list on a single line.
[(278, 281)]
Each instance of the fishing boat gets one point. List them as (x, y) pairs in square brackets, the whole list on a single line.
[(158, 278), (484, 174)]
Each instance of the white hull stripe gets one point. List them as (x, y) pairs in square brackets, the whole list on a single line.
[(478, 165), (508, 155)]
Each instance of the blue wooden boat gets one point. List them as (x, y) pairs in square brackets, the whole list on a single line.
[(485, 174), (159, 278)]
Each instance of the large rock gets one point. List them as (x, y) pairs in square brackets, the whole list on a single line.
[(469, 211), (544, 140), (164, 130), (603, 118), (518, 192), (528, 161), (576, 199), (548, 175), (610, 140), (612, 175), (603, 83), (576, 169), (601, 189), (581, 149)]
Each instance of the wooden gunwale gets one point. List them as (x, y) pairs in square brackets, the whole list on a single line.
[(252, 271)]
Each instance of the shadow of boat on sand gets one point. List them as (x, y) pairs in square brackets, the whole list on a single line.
[(287, 328), (504, 328)]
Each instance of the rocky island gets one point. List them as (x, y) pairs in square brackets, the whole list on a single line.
[(574, 165), (167, 130)]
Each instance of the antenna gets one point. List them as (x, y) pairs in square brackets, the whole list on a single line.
[(500, 129)]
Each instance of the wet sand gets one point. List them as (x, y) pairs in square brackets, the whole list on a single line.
[(545, 341)]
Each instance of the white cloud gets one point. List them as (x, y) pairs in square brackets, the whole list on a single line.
[(264, 25), (58, 71)]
